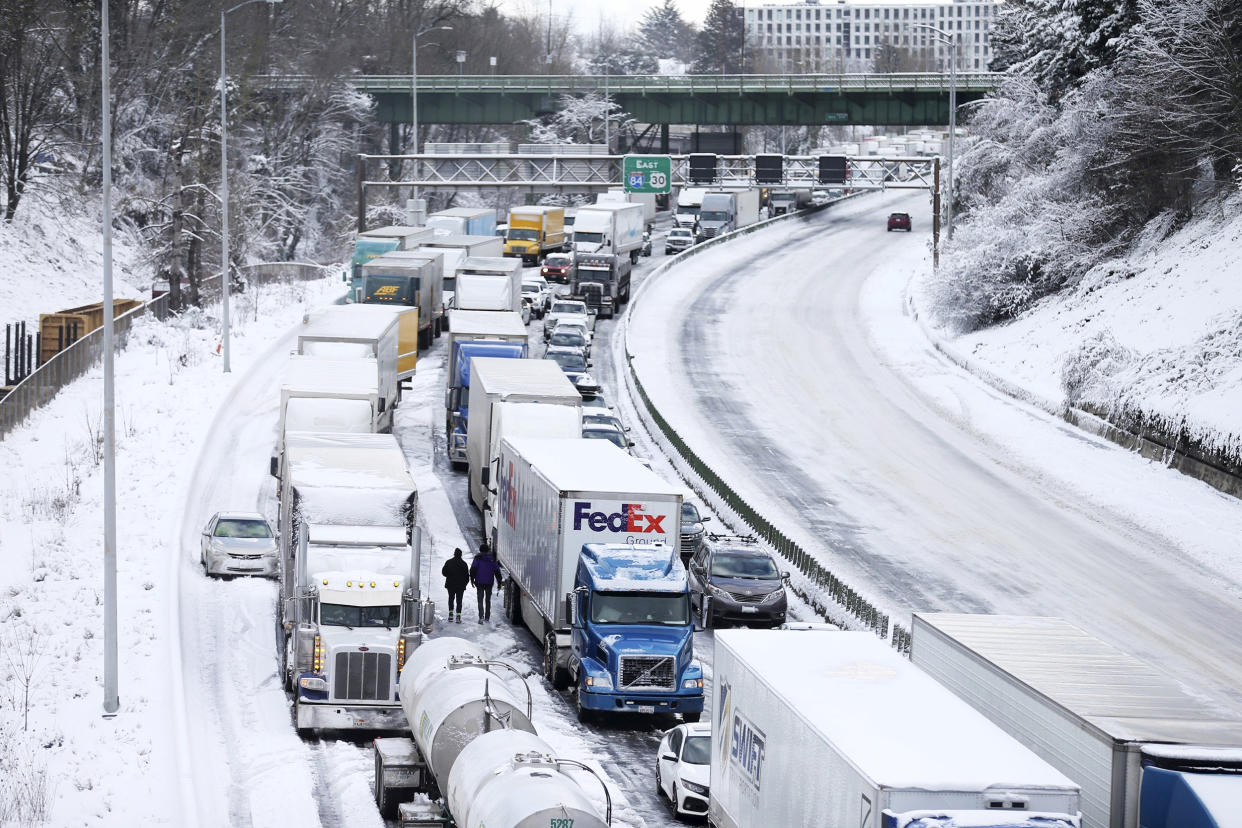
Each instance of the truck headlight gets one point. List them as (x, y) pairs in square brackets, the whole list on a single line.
[(692, 684), (603, 682), (701, 790), (319, 685)]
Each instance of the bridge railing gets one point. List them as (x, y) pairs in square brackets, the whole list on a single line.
[(681, 84)]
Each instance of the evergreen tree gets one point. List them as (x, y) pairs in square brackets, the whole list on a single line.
[(663, 33), (1057, 42), (718, 46)]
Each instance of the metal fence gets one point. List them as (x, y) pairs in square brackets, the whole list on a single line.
[(44, 383), (826, 582)]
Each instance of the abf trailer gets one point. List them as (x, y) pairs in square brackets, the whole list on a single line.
[(589, 538), (1146, 752), (826, 728)]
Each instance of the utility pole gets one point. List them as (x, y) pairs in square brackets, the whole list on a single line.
[(112, 700)]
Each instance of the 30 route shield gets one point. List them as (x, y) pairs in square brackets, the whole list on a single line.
[(647, 174)]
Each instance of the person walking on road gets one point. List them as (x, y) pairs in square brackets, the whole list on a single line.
[(483, 572), (456, 575)]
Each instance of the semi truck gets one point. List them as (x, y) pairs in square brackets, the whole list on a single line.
[(407, 279), (372, 243), (475, 754), (350, 610), (488, 283), (602, 281), (497, 380), (498, 334), (724, 212), (610, 229), (464, 221), (456, 249), (824, 727), (354, 331), (535, 232), (1145, 751), (689, 203), (617, 195), (329, 396), (787, 201), (588, 536)]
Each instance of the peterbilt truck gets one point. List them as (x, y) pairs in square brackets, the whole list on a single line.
[(819, 727), (350, 610), (1147, 753), (602, 281), (498, 334), (589, 538), (474, 755)]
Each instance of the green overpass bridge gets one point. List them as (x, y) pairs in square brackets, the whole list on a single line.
[(913, 99)]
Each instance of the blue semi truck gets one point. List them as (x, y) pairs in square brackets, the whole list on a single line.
[(494, 334), (589, 538)]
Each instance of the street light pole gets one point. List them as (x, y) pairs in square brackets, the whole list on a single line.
[(414, 94), (951, 40), (112, 701), (224, 187)]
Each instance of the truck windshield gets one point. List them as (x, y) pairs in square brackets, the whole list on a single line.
[(524, 235), (714, 215), (582, 237), (698, 751), (726, 565), (688, 209), (345, 615), (640, 608)]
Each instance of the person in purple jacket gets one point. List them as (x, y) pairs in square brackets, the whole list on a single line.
[(484, 572)]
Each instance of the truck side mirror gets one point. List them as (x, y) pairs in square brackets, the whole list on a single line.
[(274, 468), (382, 403), (485, 475), (571, 609)]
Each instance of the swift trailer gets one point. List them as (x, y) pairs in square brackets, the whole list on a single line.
[(350, 609), (534, 232), (488, 284), (602, 281), (463, 221), (610, 229), (374, 243), (498, 334), (589, 538), (358, 331), (498, 380), (405, 280), (820, 727), (475, 754), (1147, 753), (329, 396)]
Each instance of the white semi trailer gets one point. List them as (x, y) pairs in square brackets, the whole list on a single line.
[(828, 728), (474, 751)]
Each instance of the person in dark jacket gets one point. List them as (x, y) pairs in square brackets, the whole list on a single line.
[(456, 575), (483, 574)]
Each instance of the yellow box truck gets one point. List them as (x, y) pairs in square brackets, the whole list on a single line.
[(535, 232)]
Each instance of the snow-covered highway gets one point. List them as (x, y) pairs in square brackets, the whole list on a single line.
[(786, 361)]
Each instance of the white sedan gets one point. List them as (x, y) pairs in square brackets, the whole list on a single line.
[(239, 543), (683, 767)]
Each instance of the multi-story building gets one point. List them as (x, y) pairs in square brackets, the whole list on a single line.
[(868, 35)]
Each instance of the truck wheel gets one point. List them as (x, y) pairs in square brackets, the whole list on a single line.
[(691, 717), (634, 254), (513, 603), (585, 714), (556, 675)]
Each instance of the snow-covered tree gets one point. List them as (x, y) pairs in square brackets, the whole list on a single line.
[(664, 33), (579, 120)]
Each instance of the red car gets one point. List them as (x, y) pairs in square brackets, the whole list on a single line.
[(556, 267), (899, 221)]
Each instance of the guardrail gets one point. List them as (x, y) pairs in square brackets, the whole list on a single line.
[(45, 382), (642, 84), (827, 582)]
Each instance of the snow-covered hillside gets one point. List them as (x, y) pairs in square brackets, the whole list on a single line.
[(1154, 336), (53, 259)]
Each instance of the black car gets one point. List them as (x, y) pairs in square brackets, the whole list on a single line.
[(692, 532), (742, 582)]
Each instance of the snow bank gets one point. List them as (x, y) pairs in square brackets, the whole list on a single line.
[(1150, 339)]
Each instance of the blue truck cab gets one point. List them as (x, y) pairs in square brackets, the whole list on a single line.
[(457, 393), (366, 249), (632, 641)]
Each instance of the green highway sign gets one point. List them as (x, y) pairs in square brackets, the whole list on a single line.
[(647, 174)]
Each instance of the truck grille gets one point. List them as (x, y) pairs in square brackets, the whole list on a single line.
[(363, 676), (648, 673)]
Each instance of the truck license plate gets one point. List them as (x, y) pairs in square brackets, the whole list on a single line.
[(645, 708), (749, 609)]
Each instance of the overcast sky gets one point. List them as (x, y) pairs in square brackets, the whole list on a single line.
[(622, 12)]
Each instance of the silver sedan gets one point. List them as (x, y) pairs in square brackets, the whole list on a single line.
[(239, 543)]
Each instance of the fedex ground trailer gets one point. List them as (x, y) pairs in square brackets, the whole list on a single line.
[(835, 729)]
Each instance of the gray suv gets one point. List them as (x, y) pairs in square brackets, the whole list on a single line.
[(737, 581)]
